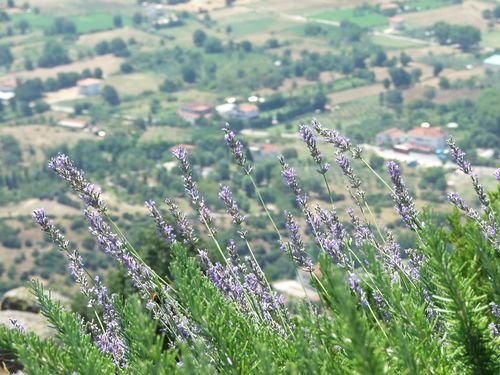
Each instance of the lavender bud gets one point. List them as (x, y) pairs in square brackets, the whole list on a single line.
[(404, 202)]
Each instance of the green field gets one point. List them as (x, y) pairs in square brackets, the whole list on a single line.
[(363, 18), (394, 43), (37, 21), (491, 39), (86, 23)]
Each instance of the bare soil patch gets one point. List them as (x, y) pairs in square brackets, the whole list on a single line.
[(357, 93), (468, 13)]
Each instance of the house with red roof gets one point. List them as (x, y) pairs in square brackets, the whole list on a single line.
[(427, 139), (392, 136), (191, 112)]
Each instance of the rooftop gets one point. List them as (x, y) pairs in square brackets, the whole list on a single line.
[(493, 60), (248, 108), (427, 132), (396, 19), (88, 82), (393, 132)]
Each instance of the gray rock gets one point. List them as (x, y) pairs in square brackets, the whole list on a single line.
[(35, 323), (21, 299)]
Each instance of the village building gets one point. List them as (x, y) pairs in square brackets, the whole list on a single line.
[(247, 111), (7, 89), (193, 111), (397, 23), (427, 139), (89, 86), (388, 9), (392, 136), (74, 123), (492, 63)]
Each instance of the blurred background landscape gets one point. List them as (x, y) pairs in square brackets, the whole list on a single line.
[(117, 84)]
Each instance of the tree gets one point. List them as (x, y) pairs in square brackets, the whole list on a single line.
[(437, 67), (213, 45), (380, 58), (102, 48), (98, 73), (53, 54), (404, 58), (466, 37), (246, 46), (199, 38), (10, 4), (119, 48), (62, 25), (444, 83), (496, 11), (23, 26), (6, 58), (311, 73), (387, 83), (117, 21), (169, 85), (400, 77), (189, 74), (416, 73), (393, 98), (137, 18), (442, 32), (429, 92), (110, 95), (126, 68), (28, 64)]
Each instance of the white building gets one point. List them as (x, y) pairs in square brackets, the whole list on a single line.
[(427, 139), (89, 86), (492, 63)]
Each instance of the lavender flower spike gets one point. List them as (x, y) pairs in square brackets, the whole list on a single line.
[(111, 340), (87, 191), (226, 196), (497, 174), (295, 247), (191, 189), (165, 230), (404, 202), (308, 137), (354, 284), (236, 147), (459, 157)]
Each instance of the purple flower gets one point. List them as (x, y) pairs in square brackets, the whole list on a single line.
[(333, 137), (460, 203), (165, 230), (331, 239), (362, 233), (295, 247), (355, 285), (226, 196), (404, 202), (87, 191), (497, 174), (290, 177), (236, 148), (308, 137), (345, 164), (110, 340), (182, 224), (191, 188), (392, 261), (459, 157), (18, 326)]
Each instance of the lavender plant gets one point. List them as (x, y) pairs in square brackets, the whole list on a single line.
[(382, 308)]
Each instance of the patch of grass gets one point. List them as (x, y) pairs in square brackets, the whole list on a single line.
[(363, 18), (93, 22), (418, 5), (392, 43), (491, 39), (36, 21)]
